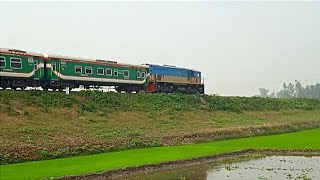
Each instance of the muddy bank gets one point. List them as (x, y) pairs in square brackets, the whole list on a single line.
[(188, 162), (288, 152)]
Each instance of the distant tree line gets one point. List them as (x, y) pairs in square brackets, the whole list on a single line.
[(293, 90)]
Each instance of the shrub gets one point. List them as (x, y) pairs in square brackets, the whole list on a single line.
[(102, 102)]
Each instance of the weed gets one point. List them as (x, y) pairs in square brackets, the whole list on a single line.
[(45, 154), (96, 101)]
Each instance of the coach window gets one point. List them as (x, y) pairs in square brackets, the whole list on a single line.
[(54, 66), (138, 74), (143, 74), (100, 71), (126, 73), (109, 72), (88, 70), (78, 69), (2, 62), (16, 63), (116, 72)]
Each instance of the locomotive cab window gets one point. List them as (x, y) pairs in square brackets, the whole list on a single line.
[(143, 74), (126, 73), (109, 72), (2, 62), (100, 71), (138, 74), (16, 63), (88, 70), (78, 69), (116, 72)]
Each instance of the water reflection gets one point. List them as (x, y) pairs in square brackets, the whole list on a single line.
[(272, 167)]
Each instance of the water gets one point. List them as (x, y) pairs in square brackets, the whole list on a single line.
[(271, 167)]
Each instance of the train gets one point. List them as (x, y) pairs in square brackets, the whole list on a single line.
[(22, 69)]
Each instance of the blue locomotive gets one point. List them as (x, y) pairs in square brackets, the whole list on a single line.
[(169, 79)]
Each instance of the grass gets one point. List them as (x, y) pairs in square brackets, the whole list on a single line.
[(63, 133), (308, 139), (38, 125)]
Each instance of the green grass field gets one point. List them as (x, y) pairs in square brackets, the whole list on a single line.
[(37, 125), (308, 139)]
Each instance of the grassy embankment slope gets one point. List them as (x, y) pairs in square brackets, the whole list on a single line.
[(308, 139), (44, 125)]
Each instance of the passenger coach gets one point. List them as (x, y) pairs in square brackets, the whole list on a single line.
[(72, 72), (20, 69)]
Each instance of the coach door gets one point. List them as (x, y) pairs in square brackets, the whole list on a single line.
[(36, 69), (54, 70)]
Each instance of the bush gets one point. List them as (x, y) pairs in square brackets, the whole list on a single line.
[(100, 102)]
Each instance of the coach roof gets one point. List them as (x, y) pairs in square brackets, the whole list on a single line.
[(56, 56), (20, 52), (93, 61)]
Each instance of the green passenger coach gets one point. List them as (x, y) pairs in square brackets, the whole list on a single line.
[(19, 69), (62, 72)]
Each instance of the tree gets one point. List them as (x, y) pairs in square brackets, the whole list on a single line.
[(307, 92), (284, 86), (284, 94), (317, 91), (294, 91), (298, 90), (263, 92), (272, 95), (290, 90)]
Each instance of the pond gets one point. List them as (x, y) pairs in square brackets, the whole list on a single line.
[(270, 167)]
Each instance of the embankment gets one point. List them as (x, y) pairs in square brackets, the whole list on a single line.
[(38, 125)]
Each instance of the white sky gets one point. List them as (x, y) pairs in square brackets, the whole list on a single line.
[(239, 46)]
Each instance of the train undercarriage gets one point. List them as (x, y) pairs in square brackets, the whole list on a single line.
[(179, 88)]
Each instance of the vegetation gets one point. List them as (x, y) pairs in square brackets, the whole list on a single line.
[(294, 90), (96, 101), (97, 163), (45, 125)]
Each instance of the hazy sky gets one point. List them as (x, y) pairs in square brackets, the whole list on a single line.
[(239, 46)]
